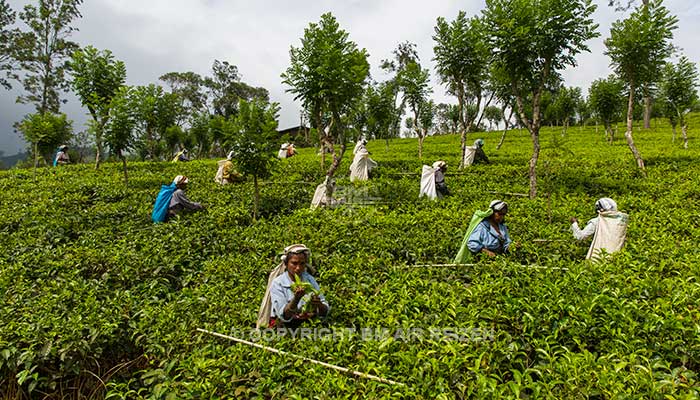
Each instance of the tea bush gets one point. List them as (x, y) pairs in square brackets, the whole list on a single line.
[(91, 288)]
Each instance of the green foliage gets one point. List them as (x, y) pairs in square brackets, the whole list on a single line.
[(606, 99), (45, 132), (678, 88), (87, 280), (639, 45), (531, 41), (382, 114), (8, 37), (254, 141), (493, 115), (43, 51), (155, 112), (97, 77), (462, 58), (328, 74)]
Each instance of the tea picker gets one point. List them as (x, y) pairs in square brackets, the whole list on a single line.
[(323, 196), (292, 296), (475, 154), (172, 200), (487, 233), (286, 150), (608, 229), (226, 174), (181, 156), (361, 164), (432, 181), (61, 157)]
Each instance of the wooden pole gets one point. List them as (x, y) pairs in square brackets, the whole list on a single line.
[(472, 265), (440, 265), (284, 353), (509, 193)]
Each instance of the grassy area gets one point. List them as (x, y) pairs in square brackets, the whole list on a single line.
[(89, 285)]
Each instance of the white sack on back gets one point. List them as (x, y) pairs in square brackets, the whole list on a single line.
[(609, 234), (319, 196), (219, 177), (469, 153), (266, 305), (427, 183), (282, 153), (361, 165)]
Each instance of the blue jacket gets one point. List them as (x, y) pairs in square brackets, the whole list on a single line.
[(485, 235)]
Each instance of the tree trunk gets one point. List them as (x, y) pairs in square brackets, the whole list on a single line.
[(673, 136), (257, 197), (628, 133), (535, 135), (505, 128), (608, 131), (684, 132), (336, 161), (126, 175), (98, 143), (36, 158), (321, 141), (463, 133), (647, 112), (420, 145)]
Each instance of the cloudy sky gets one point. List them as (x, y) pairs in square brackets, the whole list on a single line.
[(153, 37)]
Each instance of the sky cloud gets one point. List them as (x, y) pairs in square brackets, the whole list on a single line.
[(154, 37)]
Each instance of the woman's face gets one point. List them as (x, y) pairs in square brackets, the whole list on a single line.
[(296, 264), (499, 216)]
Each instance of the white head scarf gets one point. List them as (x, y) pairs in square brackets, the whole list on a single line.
[(439, 164), (180, 179), (299, 249), (498, 205), (605, 204)]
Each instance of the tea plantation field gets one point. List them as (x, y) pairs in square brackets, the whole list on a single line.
[(98, 302)]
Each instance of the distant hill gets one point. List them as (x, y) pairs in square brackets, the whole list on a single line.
[(7, 162)]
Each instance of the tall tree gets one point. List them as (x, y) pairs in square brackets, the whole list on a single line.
[(382, 113), (226, 89), (45, 131), (638, 47), (254, 141), (493, 115), (119, 128), (414, 80), (606, 99), (44, 52), (8, 39), (156, 110), (97, 77), (679, 93), (531, 40), (328, 74), (448, 116), (565, 103), (462, 58)]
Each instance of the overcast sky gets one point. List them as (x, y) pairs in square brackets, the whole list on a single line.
[(153, 37)]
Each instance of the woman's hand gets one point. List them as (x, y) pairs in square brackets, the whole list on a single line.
[(573, 220), (488, 252), (298, 294), (317, 305)]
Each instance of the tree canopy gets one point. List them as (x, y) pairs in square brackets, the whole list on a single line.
[(530, 41)]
